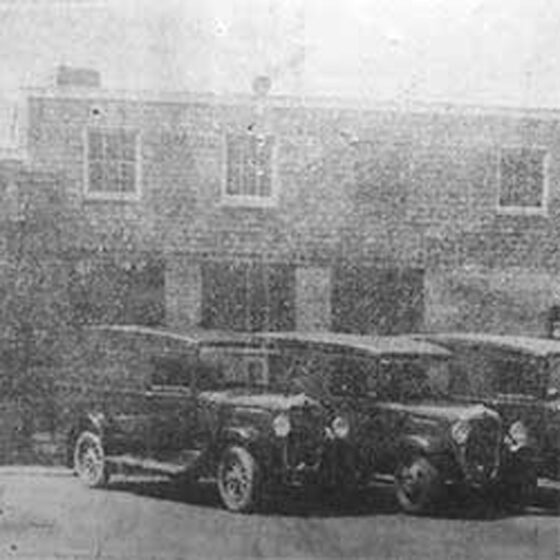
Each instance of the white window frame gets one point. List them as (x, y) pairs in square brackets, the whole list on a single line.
[(242, 357), (244, 200), (524, 210), (108, 195)]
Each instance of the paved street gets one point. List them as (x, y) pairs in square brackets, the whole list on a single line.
[(48, 514)]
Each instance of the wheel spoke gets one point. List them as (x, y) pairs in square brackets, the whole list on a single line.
[(236, 480), (89, 460), (413, 481)]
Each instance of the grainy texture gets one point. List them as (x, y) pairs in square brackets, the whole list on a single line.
[(48, 514), (379, 188), (280, 210)]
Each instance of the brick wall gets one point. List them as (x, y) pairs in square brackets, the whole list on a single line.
[(510, 300), (378, 187), (313, 298), (183, 292)]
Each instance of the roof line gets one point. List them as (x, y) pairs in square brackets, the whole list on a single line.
[(288, 101)]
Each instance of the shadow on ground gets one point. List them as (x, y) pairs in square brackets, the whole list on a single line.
[(376, 500)]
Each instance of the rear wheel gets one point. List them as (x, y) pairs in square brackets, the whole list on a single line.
[(239, 480), (89, 460), (417, 485)]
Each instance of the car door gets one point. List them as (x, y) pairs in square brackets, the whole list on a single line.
[(116, 368), (172, 406), (353, 392), (551, 406), (387, 414)]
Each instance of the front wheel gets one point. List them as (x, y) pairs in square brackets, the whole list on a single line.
[(239, 480), (89, 460), (417, 485), (517, 493)]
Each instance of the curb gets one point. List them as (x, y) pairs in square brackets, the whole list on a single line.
[(34, 470)]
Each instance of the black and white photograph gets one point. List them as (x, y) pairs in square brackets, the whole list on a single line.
[(279, 280)]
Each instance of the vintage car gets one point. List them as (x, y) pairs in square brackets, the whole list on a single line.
[(519, 376), (391, 414), (196, 404)]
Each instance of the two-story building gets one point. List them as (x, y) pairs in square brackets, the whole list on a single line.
[(265, 212)]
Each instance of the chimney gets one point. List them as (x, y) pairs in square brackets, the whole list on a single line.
[(261, 86), (68, 76)]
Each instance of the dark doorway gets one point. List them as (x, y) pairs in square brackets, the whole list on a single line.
[(106, 291), (248, 296), (377, 300)]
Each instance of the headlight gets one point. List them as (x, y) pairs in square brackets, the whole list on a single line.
[(340, 427), (281, 425), (460, 432), (517, 436)]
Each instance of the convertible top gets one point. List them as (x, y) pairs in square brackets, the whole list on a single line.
[(366, 344), (192, 337), (541, 347)]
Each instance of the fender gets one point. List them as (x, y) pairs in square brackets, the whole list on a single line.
[(245, 436), (423, 445)]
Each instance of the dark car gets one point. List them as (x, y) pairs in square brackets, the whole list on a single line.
[(519, 376), (391, 414), (197, 404)]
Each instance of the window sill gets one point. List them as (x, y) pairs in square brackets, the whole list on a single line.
[(248, 202), (522, 211), (111, 197)]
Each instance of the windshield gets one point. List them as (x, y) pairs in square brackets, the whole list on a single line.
[(224, 368), (325, 373), (404, 378)]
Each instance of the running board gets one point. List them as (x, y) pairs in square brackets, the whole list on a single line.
[(182, 464)]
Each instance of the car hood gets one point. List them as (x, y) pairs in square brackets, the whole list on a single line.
[(271, 401), (444, 411)]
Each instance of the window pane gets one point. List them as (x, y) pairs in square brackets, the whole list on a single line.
[(112, 177), (128, 146), (264, 164), (127, 177), (171, 371), (249, 178), (249, 165), (234, 162), (95, 145), (95, 176), (114, 155), (516, 376), (113, 146), (264, 183)]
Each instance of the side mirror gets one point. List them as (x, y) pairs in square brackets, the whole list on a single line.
[(552, 394)]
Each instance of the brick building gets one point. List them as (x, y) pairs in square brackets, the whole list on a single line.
[(279, 213)]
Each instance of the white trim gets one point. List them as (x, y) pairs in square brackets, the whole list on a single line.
[(249, 201), (524, 210), (113, 196), (253, 355), (450, 107)]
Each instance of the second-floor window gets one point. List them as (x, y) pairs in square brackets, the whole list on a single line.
[(112, 167), (522, 180), (249, 169)]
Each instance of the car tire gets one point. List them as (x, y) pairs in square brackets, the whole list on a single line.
[(417, 485), (89, 460), (239, 480)]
